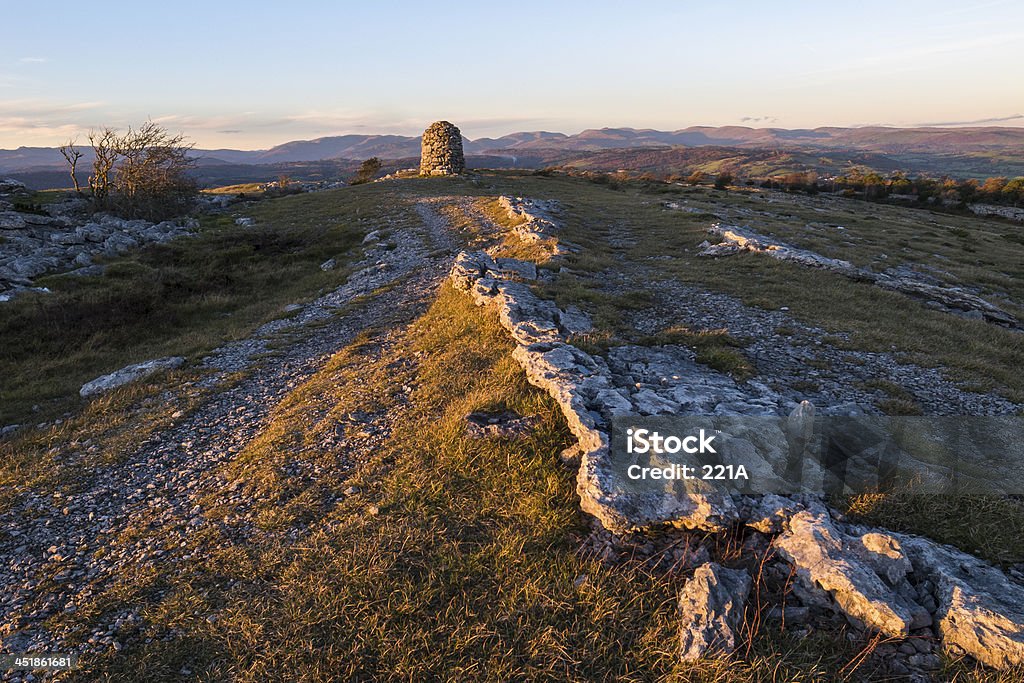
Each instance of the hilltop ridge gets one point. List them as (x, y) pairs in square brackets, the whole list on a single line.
[(879, 139)]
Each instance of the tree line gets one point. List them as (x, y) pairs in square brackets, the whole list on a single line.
[(874, 186)]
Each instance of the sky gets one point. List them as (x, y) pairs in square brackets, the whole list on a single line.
[(255, 74)]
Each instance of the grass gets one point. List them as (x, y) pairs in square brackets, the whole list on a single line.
[(459, 558), (619, 227), (184, 297), (462, 559)]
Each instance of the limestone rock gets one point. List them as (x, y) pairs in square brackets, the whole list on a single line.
[(574, 321), (11, 220), (534, 221), (442, 150), (118, 244), (860, 573), (514, 269), (770, 513), (1011, 212), (980, 610), (711, 610), (736, 239), (11, 186), (128, 374)]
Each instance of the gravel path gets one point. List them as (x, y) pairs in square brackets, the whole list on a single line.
[(58, 552)]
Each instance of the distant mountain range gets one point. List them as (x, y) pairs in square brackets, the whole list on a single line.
[(881, 140)]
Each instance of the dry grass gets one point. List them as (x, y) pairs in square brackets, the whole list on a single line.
[(461, 559), (988, 526)]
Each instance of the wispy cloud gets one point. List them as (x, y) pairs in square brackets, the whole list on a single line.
[(351, 120), (44, 108), (975, 122), (35, 121), (33, 60), (206, 123), (758, 119), (906, 59)]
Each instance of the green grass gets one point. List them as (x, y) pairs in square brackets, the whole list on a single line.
[(180, 298), (973, 352)]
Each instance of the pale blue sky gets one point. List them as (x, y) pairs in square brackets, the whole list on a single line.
[(251, 75)]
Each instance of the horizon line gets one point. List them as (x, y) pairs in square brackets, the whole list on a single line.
[(996, 123)]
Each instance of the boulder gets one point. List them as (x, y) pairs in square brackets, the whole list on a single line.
[(861, 574), (11, 186), (128, 374), (980, 610), (711, 610)]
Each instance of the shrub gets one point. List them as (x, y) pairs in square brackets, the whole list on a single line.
[(143, 173), (368, 170)]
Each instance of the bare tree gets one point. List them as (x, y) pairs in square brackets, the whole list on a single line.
[(143, 173), (152, 175), (105, 145), (72, 154)]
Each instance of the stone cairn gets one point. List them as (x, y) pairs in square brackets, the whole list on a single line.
[(442, 150)]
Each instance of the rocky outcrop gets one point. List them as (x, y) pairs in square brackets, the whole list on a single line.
[(12, 186), (1011, 212), (534, 221), (35, 244), (862, 574), (591, 390), (130, 373), (737, 239), (442, 150), (899, 584), (711, 611), (979, 610), (895, 584)]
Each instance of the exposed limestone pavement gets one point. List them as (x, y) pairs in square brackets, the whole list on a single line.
[(736, 239), (898, 585), (59, 552), (61, 238)]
